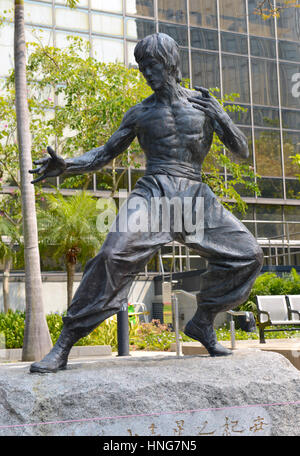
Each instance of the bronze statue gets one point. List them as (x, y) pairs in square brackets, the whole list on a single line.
[(175, 129)]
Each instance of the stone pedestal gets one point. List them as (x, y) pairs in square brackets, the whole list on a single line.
[(250, 393)]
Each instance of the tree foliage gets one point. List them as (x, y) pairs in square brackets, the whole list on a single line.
[(266, 8), (296, 161), (68, 224), (77, 102)]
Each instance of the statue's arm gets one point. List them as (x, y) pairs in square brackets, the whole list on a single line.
[(230, 135), (96, 158), (90, 161)]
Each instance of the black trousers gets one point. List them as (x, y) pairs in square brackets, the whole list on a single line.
[(233, 254)]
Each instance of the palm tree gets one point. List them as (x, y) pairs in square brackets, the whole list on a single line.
[(69, 224), (37, 341)]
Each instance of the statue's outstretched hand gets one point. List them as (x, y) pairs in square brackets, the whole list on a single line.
[(207, 104), (49, 166)]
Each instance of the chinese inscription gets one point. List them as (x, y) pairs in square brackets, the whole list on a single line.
[(249, 421)]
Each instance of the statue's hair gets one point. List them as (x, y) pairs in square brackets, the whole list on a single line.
[(163, 48)]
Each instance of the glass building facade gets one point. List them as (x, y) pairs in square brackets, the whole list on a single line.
[(224, 44)]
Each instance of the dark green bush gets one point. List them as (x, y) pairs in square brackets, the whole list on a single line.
[(12, 328), (55, 324), (270, 284)]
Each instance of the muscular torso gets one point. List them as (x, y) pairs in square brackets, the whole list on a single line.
[(175, 132)]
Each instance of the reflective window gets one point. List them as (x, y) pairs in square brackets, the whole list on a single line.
[(290, 119), (244, 161), (61, 40), (269, 231), (205, 69), (140, 7), (6, 48), (108, 50), (257, 25), (130, 55), (292, 187), (203, 13), (7, 6), (248, 215), (289, 51), (268, 212), (105, 24), (288, 24), (71, 19), (204, 39), (33, 35), (37, 14), (233, 15), (268, 153), (264, 82), (43, 36), (115, 6), (263, 47), (233, 42), (236, 76), (271, 187), (266, 117), (292, 213), (172, 10), (243, 191), (291, 147), (177, 32), (184, 63), (136, 174), (239, 117), (290, 85), (80, 3), (138, 28)]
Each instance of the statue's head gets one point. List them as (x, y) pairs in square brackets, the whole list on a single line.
[(158, 58)]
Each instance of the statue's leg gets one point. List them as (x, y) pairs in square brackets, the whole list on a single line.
[(106, 280), (234, 261)]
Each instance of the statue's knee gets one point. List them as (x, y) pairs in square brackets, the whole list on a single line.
[(106, 252), (258, 257)]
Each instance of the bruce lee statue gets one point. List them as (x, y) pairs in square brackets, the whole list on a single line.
[(174, 127)]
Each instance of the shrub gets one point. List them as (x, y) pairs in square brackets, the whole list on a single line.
[(152, 336), (12, 327), (270, 284)]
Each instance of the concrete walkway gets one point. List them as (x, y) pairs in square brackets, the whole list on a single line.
[(290, 348)]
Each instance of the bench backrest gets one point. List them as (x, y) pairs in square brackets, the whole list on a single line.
[(275, 305), (294, 301), (186, 297)]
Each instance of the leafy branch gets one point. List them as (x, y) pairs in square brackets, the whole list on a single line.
[(266, 8)]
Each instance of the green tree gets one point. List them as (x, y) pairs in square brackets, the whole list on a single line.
[(240, 171), (266, 8), (37, 341), (93, 98), (76, 103), (296, 161), (69, 224)]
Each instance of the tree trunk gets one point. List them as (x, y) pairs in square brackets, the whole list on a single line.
[(37, 341), (7, 268), (70, 281)]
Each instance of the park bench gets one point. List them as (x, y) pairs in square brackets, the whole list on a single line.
[(277, 311), (294, 306)]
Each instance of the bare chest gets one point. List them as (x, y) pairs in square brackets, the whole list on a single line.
[(180, 120)]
